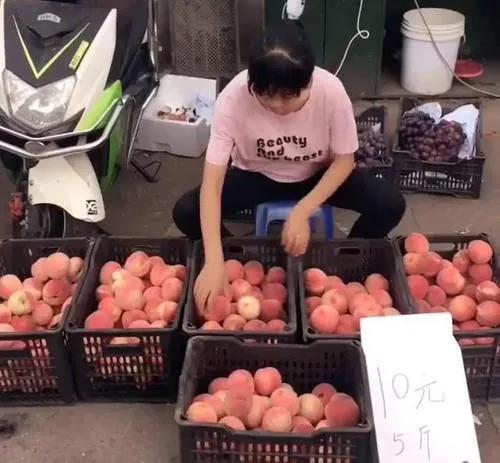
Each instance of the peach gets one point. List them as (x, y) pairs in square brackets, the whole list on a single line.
[(276, 275), (218, 310), (42, 313), (416, 242), (277, 419), (5, 314), (75, 268), (470, 290), (161, 272), (254, 272), (451, 281), (286, 398), (315, 281), (215, 402), (9, 284), (276, 326), (462, 308), (55, 322), (435, 295), (55, 292), (311, 303), (390, 312), (248, 307), (301, 425), (34, 287), (99, 320), (201, 412), (124, 340), (218, 384), (5, 328), (336, 299), (413, 263), (346, 325), (480, 252), (480, 272), (342, 412), (124, 280), (270, 309), (275, 291), (418, 286), (57, 265), (321, 425), (129, 299), (353, 288), (484, 341), (325, 319), (139, 325), (445, 263), (361, 300), (376, 281), (39, 270), (167, 311), (382, 298), (211, 326), (461, 261), (234, 270), (233, 423), (24, 324), (132, 315), (103, 291), (422, 306), (234, 322), (257, 293), (156, 260), (469, 325), (335, 282), (171, 289), (106, 272), (138, 264), (432, 264), (260, 405), (159, 324), (21, 303), (487, 291), (240, 288), (110, 306), (152, 293), (438, 309), (488, 314), (365, 312), (255, 325), (241, 379), (180, 271), (238, 402), (66, 304), (267, 380), (311, 408)]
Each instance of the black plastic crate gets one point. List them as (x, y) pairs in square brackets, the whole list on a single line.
[(341, 363), (462, 179), (482, 363), (366, 120), (147, 372), (352, 260), (270, 253), (38, 373)]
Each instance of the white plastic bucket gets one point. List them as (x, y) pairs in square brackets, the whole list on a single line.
[(423, 70)]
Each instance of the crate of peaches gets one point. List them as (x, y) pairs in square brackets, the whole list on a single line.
[(259, 302), (457, 274), (250, 402), (39, 281), (342, 281), (123, 326)]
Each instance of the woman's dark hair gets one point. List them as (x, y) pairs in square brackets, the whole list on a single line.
[(282, 62)]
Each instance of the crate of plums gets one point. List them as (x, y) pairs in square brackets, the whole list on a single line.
[(438, 148), (374, 150)]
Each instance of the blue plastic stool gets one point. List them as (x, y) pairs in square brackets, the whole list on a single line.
[(279, 211)]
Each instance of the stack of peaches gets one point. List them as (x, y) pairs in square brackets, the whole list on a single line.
[(254, 301), (38, 302), (144, 293), (262, 402), (334, 307), (464, 287)]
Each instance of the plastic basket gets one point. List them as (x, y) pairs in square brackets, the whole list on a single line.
[(338, 362), (482, 363), (352, 260), (367, 119), (462, 179), (270, 253), (38, 373), (147, 372)]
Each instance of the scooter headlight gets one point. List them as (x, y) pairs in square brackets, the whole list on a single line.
[(38, 108)]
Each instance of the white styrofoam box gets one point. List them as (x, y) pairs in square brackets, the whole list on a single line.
[(188, 139)]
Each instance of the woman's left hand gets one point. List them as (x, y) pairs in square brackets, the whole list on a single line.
[(296, 232)]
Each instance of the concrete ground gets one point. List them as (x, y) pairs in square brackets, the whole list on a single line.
[(90, 433)]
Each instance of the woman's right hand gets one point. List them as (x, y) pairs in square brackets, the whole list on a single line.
[(211, 282)]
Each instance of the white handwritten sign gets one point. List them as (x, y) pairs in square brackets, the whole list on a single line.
[(419, 395)]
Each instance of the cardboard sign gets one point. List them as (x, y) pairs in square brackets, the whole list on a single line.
[(418, 388)]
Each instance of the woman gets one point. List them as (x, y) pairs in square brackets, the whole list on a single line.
[(288, 130)]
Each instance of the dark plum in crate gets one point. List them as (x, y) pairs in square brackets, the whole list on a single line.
[(303, 367), (134, 364), (35, 368)]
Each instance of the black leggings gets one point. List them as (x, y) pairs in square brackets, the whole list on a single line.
[(381, 206)]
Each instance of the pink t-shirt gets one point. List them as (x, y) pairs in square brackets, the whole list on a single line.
[(288, 148)]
